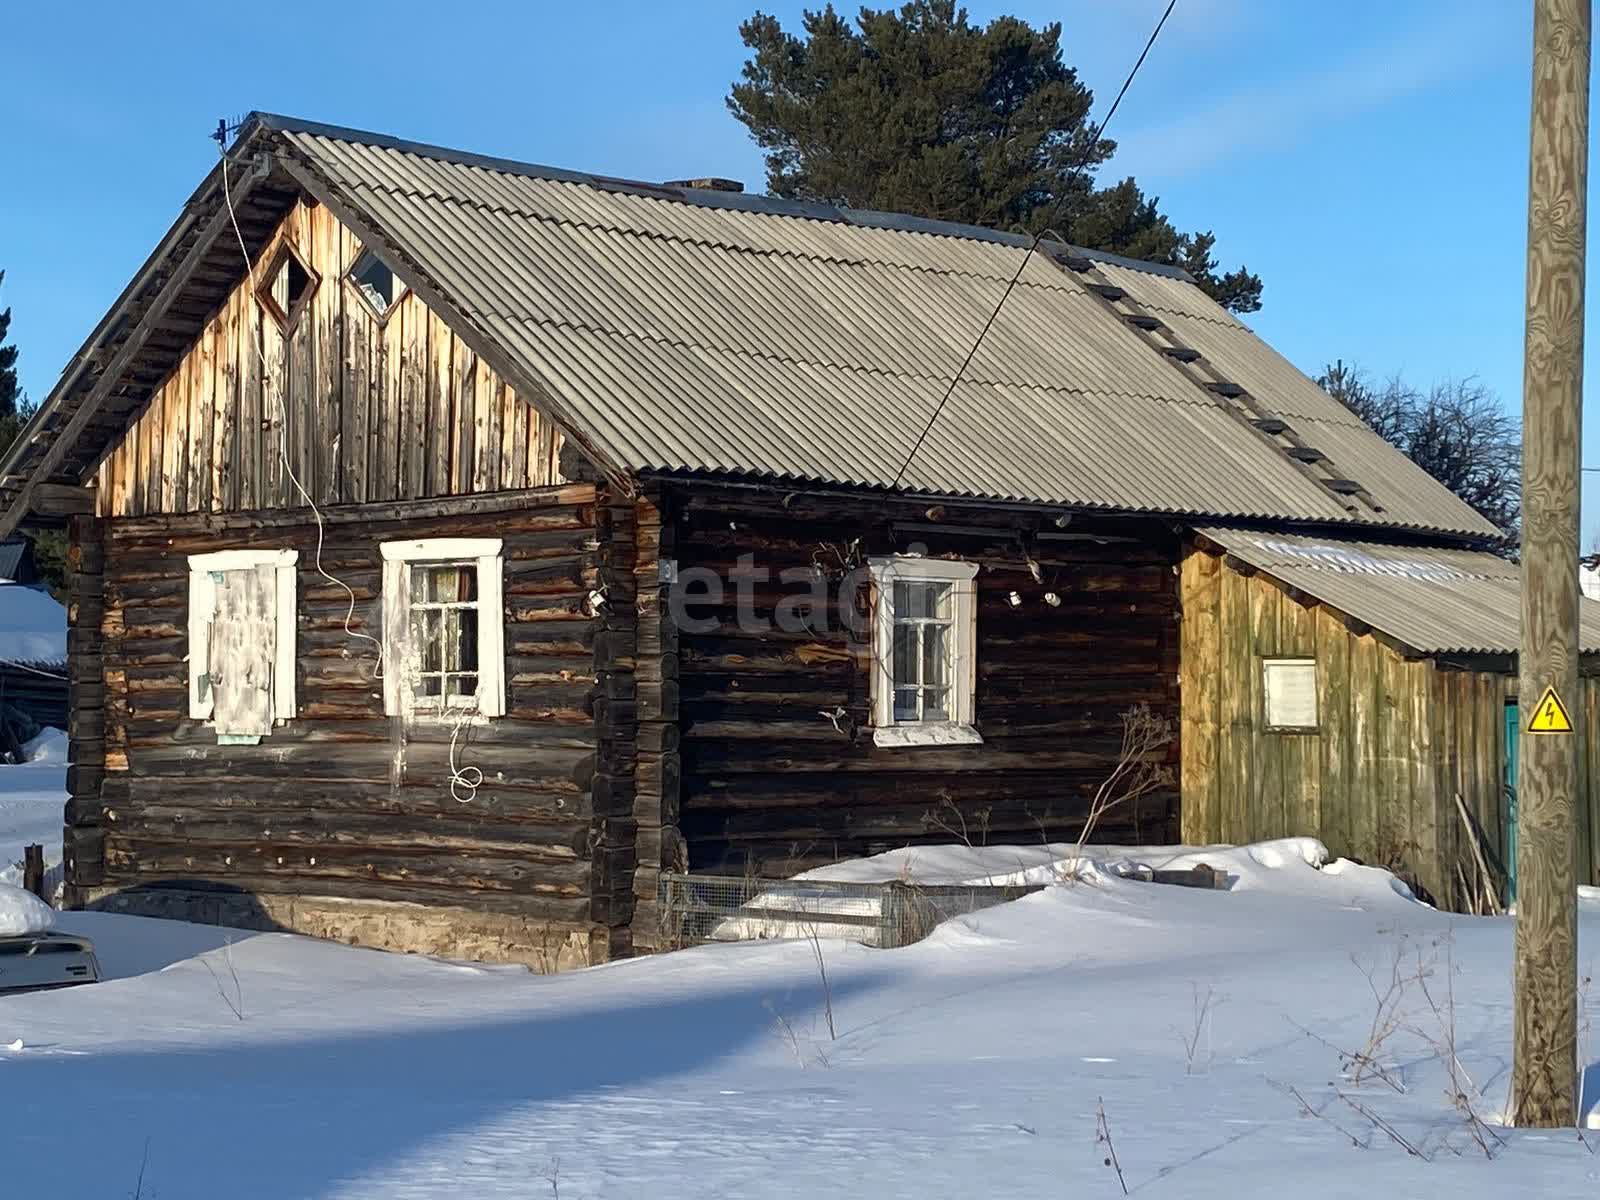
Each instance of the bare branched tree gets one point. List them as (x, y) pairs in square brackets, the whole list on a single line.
[(1141, 769), (1457, 431)]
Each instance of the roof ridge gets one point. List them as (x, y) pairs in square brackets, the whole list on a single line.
[(737, 201), (680, 240)]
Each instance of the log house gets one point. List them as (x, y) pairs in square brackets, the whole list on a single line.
[(457, 544)]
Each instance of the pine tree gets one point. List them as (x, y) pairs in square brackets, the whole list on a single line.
[(920, 111), (1457, 431), (14, 407), (50, 548), (10, 392)]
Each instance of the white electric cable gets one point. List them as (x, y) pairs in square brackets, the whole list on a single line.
[(462, 779), (283, 436)]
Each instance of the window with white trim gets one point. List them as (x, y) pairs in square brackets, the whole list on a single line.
[(242, 640), (1289, 693), (444, 627), (923, 651)]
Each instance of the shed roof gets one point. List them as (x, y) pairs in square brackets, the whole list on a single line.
[(681, 331), (14, 561), (1435, 600)]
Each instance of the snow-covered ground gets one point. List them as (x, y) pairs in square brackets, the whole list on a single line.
[(32, 795), (971, 1064)]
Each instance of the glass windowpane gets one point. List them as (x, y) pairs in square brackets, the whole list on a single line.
[(443, 585), (935, 654), (923, 646), (444, 631), (466, 657), (905, 704), (905, 654), (427, 639)]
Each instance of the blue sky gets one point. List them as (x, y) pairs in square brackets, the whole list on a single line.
[(1369, 160)]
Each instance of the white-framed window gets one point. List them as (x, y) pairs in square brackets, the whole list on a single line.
[(1289, 692), (924, 642), (242, 640), (444, 627)]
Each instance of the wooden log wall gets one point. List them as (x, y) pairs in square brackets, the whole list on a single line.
[(614, 851), (1399, 735), (82, 841), (769, 781), (357, 408), (343, 801), (659, 767)]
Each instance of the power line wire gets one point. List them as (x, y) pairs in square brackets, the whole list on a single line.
[(1055, 211)]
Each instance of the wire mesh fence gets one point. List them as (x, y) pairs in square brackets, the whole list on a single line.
[(732, 908)]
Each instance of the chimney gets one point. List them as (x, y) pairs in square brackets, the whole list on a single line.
[(707, 183)]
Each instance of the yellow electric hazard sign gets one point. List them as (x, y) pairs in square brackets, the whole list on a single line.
[(1551, 715)]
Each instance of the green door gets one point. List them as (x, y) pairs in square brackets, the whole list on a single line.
[(1513, 730)]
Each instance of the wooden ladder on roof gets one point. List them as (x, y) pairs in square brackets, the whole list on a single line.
[(1235, 398)]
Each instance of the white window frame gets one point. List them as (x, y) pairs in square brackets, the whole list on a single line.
[(202, 605), (1268, 667), (960, 729), (399, 698)]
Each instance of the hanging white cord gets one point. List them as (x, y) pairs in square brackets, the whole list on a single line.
[(283, 436), (464, 781)]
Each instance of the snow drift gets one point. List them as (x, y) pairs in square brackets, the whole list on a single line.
[(23, 912)]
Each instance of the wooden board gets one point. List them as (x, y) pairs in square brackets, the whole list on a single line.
[(1267, 802), (1201, 698), (354, 407)]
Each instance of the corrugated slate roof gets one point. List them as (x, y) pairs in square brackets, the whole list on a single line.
[(680, 331), (1436, 601), (710, 332)]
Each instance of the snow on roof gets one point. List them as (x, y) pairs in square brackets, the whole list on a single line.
[(33, 626)]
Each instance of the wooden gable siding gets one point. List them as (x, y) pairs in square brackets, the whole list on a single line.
[(1399, 736), (357, 409), (769, 779)]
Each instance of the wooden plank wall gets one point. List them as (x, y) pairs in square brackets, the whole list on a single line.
[(766, 778), (1399, 735), (343, 801), (357, 408)]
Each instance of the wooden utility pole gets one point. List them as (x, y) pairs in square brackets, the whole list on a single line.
[(1544, 1068)]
